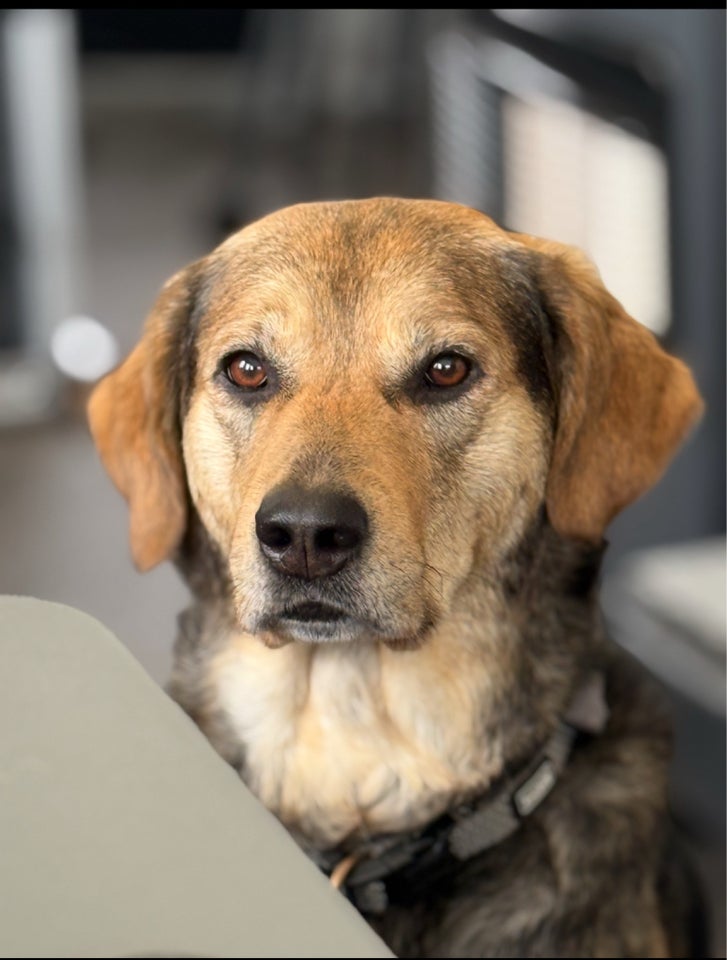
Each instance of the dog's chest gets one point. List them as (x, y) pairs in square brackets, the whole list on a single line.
[(340, 738)]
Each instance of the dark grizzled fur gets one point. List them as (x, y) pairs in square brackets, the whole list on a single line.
[(574, 881), (201, 563), (550, 585), (571, 882), (531, 329)]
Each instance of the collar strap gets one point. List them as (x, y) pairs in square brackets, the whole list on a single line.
[(366, 875)]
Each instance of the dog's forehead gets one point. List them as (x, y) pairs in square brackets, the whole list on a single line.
[(384, 226), (403, 274)]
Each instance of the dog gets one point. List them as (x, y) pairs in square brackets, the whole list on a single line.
[(382, 440)]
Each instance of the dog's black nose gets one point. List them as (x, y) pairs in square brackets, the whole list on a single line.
[(309, 533)]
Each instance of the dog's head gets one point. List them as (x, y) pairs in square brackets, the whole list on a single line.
[(367, 403)]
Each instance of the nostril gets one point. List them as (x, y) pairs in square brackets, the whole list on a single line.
[(336, 538), (274, 535)]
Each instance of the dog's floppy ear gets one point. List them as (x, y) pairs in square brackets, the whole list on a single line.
[(134, 419), (624, 404)]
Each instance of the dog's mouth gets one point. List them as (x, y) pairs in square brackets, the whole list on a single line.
[(311, 611), (330, 619), (312, 621)]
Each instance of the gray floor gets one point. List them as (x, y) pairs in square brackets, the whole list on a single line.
[(165, 165)]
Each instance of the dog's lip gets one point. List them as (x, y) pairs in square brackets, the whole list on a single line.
[(312, 610)]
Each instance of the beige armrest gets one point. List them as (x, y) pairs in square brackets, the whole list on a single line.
[(121, 831)]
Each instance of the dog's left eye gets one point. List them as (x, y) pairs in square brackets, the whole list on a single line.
[(447, 370), (246, 370)]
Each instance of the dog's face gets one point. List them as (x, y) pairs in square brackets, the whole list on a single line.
[(367, 403), (381, 438)]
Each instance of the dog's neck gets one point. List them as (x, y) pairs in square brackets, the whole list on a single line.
[(341, 740)]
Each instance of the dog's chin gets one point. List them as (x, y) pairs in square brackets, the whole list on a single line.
[(283, 631)]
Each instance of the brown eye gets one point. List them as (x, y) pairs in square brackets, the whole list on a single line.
[(447, 370), (246, 370)]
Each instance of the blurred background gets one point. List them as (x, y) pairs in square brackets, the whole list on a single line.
[(133, 141)]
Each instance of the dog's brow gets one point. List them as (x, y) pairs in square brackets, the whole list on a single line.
[(243, 330), (409, 341)]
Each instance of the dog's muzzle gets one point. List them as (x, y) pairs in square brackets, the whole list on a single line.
[(308, 535)]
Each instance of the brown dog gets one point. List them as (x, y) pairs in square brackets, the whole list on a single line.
[(382, 440)]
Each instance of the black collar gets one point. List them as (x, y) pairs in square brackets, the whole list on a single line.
[(391, 868)]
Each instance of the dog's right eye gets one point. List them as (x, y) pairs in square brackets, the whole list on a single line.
[(246, 370)]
